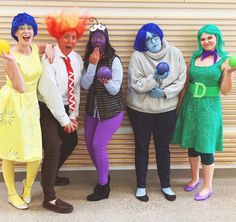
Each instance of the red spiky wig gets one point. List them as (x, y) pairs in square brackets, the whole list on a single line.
[(65, 21)]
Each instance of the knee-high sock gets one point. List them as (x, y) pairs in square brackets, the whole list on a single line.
[(32, 170), (9, 176)]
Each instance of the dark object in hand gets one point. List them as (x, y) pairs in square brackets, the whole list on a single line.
[(162, 68)]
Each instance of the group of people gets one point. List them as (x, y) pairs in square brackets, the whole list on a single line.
[(40, 105)]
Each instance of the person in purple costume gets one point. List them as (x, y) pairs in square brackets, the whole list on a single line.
[(105, 104)]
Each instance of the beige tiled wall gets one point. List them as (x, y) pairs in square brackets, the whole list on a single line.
[(180, 20)]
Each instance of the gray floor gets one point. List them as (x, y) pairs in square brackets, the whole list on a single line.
[(122, 206)]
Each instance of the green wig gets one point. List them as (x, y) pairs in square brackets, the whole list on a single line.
[(212, 30)]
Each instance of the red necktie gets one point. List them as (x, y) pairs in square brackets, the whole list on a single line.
[(71, 93)]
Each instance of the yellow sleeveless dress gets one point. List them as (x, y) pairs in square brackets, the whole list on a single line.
[(20, 133)]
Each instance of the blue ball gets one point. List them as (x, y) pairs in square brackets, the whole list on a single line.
[(104, 72), (162, 68)]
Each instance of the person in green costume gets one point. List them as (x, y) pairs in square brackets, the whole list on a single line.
[(199, 123)]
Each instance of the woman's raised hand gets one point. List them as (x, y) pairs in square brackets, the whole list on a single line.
[(95, 56), (9, 57)]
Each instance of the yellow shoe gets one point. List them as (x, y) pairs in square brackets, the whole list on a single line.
[(17, 202), (26, 196)]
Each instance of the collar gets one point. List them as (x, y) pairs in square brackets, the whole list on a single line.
[(159, 54)]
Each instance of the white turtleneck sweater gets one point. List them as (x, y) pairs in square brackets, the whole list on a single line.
[(140, 79)]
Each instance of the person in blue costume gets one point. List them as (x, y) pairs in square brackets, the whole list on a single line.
[(152, 100), (199, 123)]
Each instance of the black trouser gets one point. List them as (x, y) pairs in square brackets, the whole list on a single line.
[(162, 126), (57, 146), (206, 158)]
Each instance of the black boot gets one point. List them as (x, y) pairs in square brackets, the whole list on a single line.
[(100, 192), (108, 182)]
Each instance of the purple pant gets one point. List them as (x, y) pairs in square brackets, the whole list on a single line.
[(98, 134)]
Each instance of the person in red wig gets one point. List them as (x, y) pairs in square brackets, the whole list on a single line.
[(59, 96)]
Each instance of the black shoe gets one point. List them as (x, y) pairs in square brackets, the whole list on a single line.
[(144, 198), (168, 196), (60, 206), (100, 192), (61, 181)]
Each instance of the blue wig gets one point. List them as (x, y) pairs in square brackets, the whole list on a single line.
[(22, 19), (140, 41)]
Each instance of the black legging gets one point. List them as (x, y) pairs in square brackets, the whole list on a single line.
[(206, 158)]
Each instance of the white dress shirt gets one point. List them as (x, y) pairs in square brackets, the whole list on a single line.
[(53, 85)]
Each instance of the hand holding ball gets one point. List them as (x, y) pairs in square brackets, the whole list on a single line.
[(232, 61), (162, 68), (4, 46), (162, 71), (104, 73)]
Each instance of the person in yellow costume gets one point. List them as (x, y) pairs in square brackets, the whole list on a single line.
[(20, 133)]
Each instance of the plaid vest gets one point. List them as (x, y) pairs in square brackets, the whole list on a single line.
[(108, 105)]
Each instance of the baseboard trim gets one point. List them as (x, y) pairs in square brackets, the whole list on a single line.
[(119, 174)]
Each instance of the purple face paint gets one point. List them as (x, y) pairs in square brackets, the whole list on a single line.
[(98, 39)]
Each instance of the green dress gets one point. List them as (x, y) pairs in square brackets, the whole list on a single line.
[(20, 133), (199, 122)]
